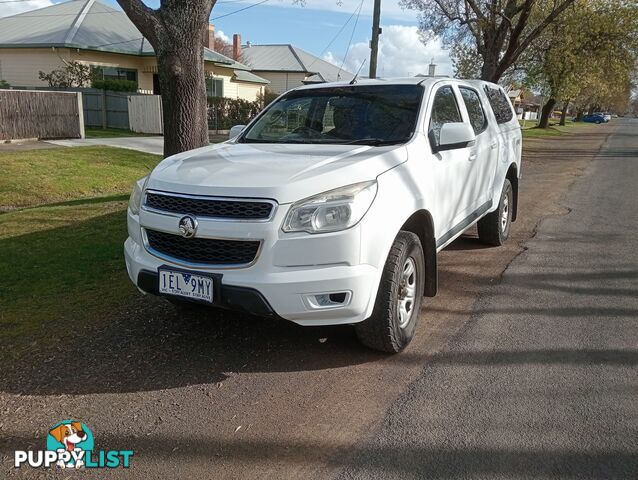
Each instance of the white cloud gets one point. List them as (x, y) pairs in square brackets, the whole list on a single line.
[(401, 54), (221, 35), (390, 9), (13, 8)]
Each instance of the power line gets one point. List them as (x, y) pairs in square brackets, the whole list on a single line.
[(336, 36), (350, 41), (240, 10)]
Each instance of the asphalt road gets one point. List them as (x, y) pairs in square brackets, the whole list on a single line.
[(542, 381), (521, 366)]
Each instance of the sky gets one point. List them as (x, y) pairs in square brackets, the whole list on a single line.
[(318, 27)]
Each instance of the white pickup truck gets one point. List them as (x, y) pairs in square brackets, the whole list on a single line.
[(330, 206)]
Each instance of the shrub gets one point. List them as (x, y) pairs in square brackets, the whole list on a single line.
[(73, 74), (115, 85), (4, 84), (224, 112)]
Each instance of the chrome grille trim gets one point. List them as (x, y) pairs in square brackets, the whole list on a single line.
[(246, 200)]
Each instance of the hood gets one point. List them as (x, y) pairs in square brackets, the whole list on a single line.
[(285, 173)]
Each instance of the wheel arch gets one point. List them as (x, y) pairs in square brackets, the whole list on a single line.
[(421, 224)]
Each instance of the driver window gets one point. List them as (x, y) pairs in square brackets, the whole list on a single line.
[(444, 110), (281, 121)]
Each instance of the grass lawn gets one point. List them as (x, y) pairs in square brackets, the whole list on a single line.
[(62, 262), (96, 132), (530, 130), (36, 177)]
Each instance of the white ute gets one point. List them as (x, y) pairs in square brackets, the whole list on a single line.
[(330, 207)]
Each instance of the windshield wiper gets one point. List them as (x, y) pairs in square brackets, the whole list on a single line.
[(375, 142)]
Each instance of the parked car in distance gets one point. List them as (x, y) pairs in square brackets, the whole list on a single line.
[(330, 207), (594, 118), (605, 115)]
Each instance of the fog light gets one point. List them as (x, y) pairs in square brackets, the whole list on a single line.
[(328, 300)]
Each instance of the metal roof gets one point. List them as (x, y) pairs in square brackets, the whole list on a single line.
[(288, 58), (87, 25), (244, 76)]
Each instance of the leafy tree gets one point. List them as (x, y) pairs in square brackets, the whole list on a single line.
[(498, 31), (587, 56)]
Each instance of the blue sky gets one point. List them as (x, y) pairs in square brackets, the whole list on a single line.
[(313, 26)]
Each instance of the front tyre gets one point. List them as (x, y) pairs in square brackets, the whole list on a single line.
[(396, 309), (494, 228)]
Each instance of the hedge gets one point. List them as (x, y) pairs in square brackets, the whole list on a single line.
[(223, 113), (115, 85)]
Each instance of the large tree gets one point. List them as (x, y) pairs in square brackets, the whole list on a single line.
[(587, 56), (176, 31), (496, 31)]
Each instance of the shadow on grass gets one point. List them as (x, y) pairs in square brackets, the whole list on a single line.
[(75, 324)]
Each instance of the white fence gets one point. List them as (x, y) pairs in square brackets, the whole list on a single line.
[(145, 114)]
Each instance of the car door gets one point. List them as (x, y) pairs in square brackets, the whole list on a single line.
[(451, 167), (484, 153)]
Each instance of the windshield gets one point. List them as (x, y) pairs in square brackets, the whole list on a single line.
[(366, 115)]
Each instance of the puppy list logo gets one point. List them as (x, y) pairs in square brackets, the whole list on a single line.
[(70, 445)]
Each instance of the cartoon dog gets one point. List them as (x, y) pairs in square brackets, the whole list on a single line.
[(69, 435)]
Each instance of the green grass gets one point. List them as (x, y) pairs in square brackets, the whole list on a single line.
[(61, 260), (61, 264), (96, 132), (36, 177), (531, 131)]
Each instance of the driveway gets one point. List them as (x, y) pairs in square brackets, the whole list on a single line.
[(143, 144)]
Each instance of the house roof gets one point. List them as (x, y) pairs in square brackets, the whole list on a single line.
[(245, 76), (88, 25), (288, 58)]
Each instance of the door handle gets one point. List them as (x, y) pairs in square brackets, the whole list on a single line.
[(493, 145), (473, 157)]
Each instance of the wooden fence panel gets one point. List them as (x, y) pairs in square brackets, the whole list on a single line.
[(145, 114), (40, 114)]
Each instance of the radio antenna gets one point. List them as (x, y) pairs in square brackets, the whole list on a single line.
[(354, 79)]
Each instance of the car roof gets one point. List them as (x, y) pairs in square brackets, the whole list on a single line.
[(426, 81)]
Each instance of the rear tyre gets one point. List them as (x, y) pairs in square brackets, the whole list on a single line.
[(396, 309), (494, 228)]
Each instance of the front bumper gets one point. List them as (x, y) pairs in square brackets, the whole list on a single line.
[(284, 280)]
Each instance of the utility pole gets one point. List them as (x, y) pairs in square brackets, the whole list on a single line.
[(374, 43)]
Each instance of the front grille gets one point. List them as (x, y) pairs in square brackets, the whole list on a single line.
[(208, 251), (210, 207)]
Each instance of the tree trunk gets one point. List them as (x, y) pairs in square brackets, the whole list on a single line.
[(184, 104), (176, 31), (563, 113), (580, 113), (490, 67), (547, 110)]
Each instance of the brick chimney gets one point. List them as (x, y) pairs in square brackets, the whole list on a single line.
[(209, 37), (236, 47)]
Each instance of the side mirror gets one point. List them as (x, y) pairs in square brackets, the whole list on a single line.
[(455, 135), (235, 131)]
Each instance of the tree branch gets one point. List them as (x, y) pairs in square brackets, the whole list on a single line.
[(144, 18)]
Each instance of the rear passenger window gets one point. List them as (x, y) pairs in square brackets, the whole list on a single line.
[(500, 104), (444, 110), (474, 109)]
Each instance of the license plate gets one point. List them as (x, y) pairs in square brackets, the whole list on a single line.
[(185, 284)]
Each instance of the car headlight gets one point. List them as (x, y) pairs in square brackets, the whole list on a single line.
[(331, 211), (135, 201)]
